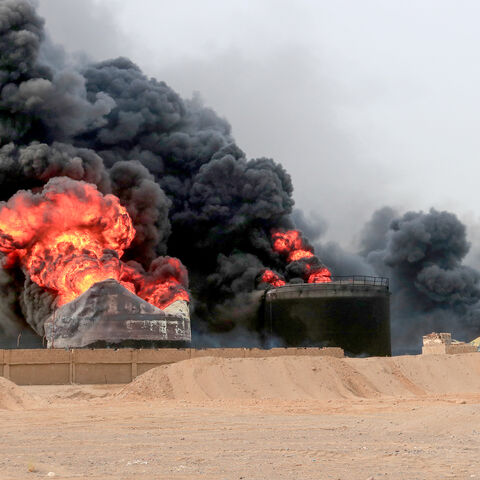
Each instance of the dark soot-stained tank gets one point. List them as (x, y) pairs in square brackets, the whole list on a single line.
[(349, 312)]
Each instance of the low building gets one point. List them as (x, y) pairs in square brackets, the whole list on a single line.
[(442, 343)]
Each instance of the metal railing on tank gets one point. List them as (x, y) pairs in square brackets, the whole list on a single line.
[(355, 280), (361, 280)]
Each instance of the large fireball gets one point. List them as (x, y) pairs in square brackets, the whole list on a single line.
[(70, 236)]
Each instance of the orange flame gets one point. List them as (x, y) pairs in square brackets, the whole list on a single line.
[(290, 244), (287, 242), (321, 276), (299, 254), (272, 278), (162, 284), (70, 236)]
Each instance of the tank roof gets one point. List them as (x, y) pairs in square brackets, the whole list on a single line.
[(354, 284)]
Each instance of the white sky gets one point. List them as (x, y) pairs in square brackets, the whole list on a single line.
[(366, 103)]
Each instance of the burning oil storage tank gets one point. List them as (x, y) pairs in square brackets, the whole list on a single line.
[(109, 315), (348, 312)]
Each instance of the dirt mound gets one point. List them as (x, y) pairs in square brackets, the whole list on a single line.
[(305, 377), (12, 397)]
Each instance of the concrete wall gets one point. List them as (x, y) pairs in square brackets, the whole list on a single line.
[(441, 343), (59, 367), (437, 349), (452, 349), (461, 348)]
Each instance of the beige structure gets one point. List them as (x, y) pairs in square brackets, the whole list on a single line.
[(441, 343), (58, 367)]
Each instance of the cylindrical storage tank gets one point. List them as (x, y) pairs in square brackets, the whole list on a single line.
[(349, 312)]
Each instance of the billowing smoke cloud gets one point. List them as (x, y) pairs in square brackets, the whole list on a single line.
[(422, 253), (173, 163), (192, 193), (340, 261)]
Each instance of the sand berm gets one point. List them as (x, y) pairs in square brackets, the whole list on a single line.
[(305, 377)]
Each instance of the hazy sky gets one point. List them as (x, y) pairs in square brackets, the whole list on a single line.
[(366, 103)]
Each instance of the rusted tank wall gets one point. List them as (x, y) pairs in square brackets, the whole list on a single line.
[(108, 366), (353, 316)]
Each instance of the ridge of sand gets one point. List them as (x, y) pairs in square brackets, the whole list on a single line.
[(307, 378), (13, 397)]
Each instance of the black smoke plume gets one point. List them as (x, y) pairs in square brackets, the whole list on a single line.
[(192, 193), (422, 253), (173, 163)]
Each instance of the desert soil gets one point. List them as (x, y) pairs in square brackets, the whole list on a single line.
[(275, 418)]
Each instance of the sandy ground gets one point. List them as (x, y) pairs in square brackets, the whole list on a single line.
[(276, 418)]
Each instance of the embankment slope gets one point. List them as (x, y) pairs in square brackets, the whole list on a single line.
[(307, 378)]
